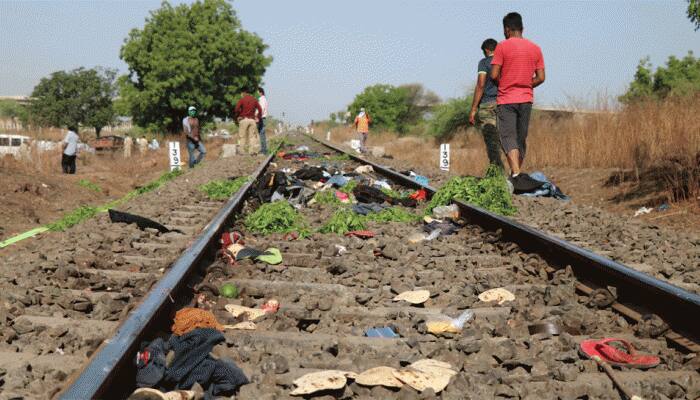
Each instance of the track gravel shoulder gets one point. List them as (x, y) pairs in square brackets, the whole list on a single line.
[(664, 253), (62, 293)]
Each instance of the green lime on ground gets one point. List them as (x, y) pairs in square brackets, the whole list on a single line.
[(229, 290)]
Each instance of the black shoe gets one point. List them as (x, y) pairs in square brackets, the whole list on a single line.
[(524, 183)]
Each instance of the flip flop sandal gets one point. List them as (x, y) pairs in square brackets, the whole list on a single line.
[(361, 234), (615, 356)]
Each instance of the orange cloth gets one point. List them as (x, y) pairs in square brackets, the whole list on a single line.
[(188, 319)]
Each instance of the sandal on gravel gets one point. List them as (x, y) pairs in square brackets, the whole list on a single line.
[(616, 357), (361, 234)]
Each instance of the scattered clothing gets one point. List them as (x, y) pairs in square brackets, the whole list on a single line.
[(369, 194), (446, 228), (342, 197), (188, 319), (337, 180), (142, 222), (150, 364), (193, 364), (367, 208), (270, 183), (548, 189), (524, 183), (309, 173), (642, 211), (419, 195)]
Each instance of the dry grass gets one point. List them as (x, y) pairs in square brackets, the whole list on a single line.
[(653, 140)]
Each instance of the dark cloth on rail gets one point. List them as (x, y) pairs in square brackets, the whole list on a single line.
[(192, 363), (312, 173), (150, 364), (270, 183), (142, 222)]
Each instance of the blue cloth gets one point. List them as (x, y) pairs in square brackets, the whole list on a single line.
[(547, 190), (338, 180), (150, 364), (191, 147), (366, 208), (263, 139)]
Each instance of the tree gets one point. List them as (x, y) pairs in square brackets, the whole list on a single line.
[(78, 97), (13, 110), (194, 54), (680, 77), (394, 108), (694, 12)]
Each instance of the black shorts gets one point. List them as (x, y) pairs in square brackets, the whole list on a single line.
[(513, 121)]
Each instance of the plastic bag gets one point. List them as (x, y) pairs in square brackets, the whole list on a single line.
[(444, 324), (450, 211)]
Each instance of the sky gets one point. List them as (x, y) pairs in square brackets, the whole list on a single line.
[(325, 52)]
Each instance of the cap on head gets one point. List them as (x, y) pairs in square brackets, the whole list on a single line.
[(362, 109), (192, 111)]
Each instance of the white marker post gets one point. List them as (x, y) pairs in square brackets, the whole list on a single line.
[(445, 156), (174, 153)]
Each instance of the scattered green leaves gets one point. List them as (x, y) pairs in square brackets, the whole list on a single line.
[(223, 189), (276, 217), (168, 176), (339, 157), (326, 197), (347, 189), (277, 143), (343, 221), (393, 193), (89, 185), (393, 214), (74, 217), (490, 192)]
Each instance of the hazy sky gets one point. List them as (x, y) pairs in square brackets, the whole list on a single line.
[(325, 51)]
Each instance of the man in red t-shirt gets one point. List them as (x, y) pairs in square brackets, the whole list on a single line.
[(246, 117), (518, 66)]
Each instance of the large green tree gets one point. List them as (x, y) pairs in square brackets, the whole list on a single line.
[(194, 54), (13, 110), (395, 108), (680, 76), (694, 12), (78, 97)]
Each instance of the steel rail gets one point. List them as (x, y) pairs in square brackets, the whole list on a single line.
[(116, 352), (637, 294)]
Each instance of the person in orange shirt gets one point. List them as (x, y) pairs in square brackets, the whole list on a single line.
[(362, 122)]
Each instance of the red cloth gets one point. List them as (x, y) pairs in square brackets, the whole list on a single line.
[(246, 107), (518, 58)]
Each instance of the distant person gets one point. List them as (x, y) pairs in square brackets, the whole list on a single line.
[(142, 143), (262, 100), (245, 112), (70, 150), (128, 145), (190, 125), (484, 104), (362, 121), (518, 66), (154, 145)]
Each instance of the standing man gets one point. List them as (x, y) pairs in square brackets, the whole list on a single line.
[(362, 122), (518, 66), (261, 120), (142, 142), (484, 104), (70, 150), (245, 111), (128, 144), (190, 125)]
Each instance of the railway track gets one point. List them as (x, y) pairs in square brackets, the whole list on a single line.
[(329, 300)]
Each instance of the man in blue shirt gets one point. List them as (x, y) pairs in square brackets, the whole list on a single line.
[(484, 104)]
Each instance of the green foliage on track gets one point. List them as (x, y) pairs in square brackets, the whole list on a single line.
[(89, 185), (163, 179), (344, 221), (348, 188), (490, 192), (276, 217), (74, 217), (223, 189), (326, 197), (72, 98), (393, 214), (189, 54)]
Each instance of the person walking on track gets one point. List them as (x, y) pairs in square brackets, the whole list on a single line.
[(262, 100), (190, 125), (484, 104), (518, 66), (245, 112), (362, 122), (70, 150)]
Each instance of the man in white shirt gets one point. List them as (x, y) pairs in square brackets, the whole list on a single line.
[(70, 150), (261, 120)]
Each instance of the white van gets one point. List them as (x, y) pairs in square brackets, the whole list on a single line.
[(10, 144)]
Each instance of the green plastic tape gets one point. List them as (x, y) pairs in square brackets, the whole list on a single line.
[(23, 236)]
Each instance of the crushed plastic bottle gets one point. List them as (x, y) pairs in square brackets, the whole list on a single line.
[(443, 212)]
